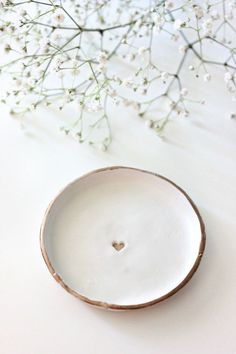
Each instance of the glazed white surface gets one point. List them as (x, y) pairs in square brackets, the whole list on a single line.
[(155, 221)]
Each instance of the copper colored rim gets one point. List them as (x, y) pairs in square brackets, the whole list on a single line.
[(105, 305)]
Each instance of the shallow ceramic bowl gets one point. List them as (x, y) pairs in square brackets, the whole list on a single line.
[(122, 238)]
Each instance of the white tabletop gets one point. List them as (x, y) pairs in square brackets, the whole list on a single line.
[(198, 153)]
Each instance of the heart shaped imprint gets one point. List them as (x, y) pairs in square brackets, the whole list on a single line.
[(118, 245)]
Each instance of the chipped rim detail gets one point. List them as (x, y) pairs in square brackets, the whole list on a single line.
[(111, 306)]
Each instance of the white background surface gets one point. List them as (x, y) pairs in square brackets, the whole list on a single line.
[(37, 315)]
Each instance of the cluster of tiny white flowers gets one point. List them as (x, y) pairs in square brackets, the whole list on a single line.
[(102, 61), (70, 50), (207, 26)]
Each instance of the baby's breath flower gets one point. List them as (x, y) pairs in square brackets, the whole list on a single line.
[(172, 105), (116, 101), (131, 56), (141, 51), (228, 77), (169, 5), (207, 77), (59, 16), (184, 92), (164, 76), (57, 64), (159, 22), (207, 26), (175, 37), (149, 123), (30, 82), (102, 58), (178, 24), (75, 69), (22, 12), (44, 44), (135, 105), (101, 68), (215, 15), (65, 52), (182, 49), (198, 10), (156, 125), (18, 82), (115, 78), (128, 82), (94, 107), (31, 108), (56, 37)]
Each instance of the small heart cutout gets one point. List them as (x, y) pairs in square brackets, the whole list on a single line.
[(118, 245)]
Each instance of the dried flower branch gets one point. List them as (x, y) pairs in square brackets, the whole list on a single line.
[(70, 51)]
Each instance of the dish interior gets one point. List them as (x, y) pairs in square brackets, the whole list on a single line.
[(122, 236)]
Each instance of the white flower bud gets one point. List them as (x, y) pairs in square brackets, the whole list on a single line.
[(127, 82), (141, 51), (182, 49), (159, 20), (102, 58), (199, 13), (207, 26), (207, 77), (228, 76), (178, 24), (184, 92), (164, 76), (59, 16), (215, 15), (169, 5)]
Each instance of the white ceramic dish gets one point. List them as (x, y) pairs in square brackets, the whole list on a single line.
[(122, 238)]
